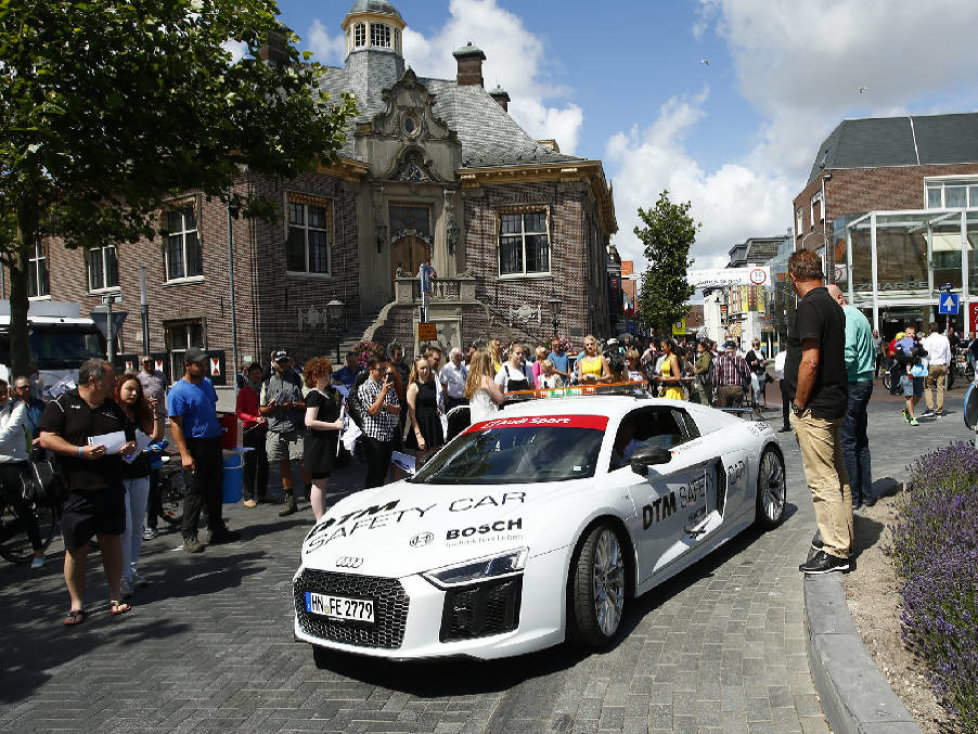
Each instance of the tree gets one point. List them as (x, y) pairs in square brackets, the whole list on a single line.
[(668, 234), (111, 107)]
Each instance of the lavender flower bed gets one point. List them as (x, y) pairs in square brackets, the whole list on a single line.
[(935, 544)]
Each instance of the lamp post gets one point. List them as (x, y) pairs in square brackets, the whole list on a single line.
[(334, 312), (234, 209), (555, 304)]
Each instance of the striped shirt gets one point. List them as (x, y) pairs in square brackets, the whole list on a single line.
[(730, 369)]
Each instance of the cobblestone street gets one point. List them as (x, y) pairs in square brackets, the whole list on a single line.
[(208, 646)]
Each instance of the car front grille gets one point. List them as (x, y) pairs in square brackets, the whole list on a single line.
[(481, 610), (390, 608)]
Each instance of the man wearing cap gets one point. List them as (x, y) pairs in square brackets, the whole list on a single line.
[(730, 374), (153, 382), (192, 404), (283, 405)]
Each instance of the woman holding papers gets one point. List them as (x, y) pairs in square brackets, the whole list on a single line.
[(142, 418), (325, 421)]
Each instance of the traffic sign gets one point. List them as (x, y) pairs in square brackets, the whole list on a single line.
[(949, 304), (427, 332)]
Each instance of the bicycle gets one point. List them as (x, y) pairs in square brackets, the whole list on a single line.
[(15, 545), (172, 491)]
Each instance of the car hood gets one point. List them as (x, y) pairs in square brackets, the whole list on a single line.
[(402, 529)]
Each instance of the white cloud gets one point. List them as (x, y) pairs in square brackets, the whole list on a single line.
[(733, 202), (237, 49), (800, 66), (329, 49), (515, 59)]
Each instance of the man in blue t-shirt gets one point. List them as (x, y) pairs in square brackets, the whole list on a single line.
[(192, 405), (559, 357)]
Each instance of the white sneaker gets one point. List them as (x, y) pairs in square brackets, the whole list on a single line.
[(149, 533), (125, 588)]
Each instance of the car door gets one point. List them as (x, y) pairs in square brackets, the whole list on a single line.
[(675, 499)]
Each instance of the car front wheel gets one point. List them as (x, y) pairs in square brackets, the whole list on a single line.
[(597, 589), (772, 493)]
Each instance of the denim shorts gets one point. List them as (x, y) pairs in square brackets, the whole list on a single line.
[(913, 387)]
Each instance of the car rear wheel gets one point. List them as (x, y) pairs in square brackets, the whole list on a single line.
[(597, 589), (772, 492)]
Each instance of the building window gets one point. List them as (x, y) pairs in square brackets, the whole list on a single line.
[(952, 194), (310, 234), (524, 246), (180, 337), (103, 268), (359, 35), (39, 283), (818, 213), (380, 35), (799, 221), (405, 220), (184, 258)]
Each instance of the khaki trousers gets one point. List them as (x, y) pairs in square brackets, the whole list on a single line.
[(935, 378), (821, 456)]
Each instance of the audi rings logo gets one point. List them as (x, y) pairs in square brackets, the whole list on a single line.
[(421, 540), (349, 562)]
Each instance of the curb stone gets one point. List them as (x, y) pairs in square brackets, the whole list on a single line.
[(855, 696)]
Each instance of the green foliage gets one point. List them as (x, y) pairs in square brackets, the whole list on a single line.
[(668, 234), (111, 107)]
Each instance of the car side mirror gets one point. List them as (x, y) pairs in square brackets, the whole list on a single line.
[(648, 456)]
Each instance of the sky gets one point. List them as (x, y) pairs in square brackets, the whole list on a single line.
[(721, 102)]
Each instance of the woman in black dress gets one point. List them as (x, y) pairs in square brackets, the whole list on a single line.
[(324, 424), (422, 398)]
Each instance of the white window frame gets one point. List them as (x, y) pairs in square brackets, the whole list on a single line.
[(105, 272), (817, 199), (177, 370), (360, 35), (38, 259), (186, 276), (940, 182), (384, 32), (328, 230), (522, 214), (800, 221)]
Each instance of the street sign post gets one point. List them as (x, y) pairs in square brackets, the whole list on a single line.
[(948, 304)]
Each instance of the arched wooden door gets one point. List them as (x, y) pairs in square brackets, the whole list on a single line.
[(407, 254)]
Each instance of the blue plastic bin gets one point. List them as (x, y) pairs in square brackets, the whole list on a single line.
[(233, 477)]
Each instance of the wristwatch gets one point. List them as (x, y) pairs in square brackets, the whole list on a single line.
[(795, 409)]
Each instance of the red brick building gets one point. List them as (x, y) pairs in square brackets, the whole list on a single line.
[(892, 205), (431, 168)]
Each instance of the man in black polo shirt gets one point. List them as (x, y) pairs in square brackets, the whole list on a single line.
[(96, 503), (817, 383)]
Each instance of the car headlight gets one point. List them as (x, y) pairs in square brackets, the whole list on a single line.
[(480, 569)]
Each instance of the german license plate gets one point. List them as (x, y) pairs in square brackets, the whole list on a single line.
[(340, 607)]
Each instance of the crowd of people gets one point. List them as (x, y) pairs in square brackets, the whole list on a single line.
[(108, 433)]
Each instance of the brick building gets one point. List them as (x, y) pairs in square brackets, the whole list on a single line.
[(432, 168), (892, 206)]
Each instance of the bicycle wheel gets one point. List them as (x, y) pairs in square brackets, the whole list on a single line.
[(15, 545), (171, 498)]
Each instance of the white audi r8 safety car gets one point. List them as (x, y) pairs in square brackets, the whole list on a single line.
[(534, 527)]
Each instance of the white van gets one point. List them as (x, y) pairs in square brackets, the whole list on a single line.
[(60, 340)]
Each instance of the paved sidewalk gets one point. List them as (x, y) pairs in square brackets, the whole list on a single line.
[(208, 646)]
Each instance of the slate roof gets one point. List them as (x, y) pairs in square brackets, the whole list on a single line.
[(488, 135), (374, 6), (918, 140)]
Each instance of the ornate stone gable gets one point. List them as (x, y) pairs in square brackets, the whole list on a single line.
[(408, 116)]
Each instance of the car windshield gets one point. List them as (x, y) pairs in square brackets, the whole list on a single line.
[(58, 347), (509, 451)]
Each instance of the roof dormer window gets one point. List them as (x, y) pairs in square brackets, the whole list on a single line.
[(380, 35), (360, 35)]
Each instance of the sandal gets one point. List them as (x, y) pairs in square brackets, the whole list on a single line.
[(75, 616), (118, 607)]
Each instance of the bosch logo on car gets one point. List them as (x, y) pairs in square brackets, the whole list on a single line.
[(500, 526)]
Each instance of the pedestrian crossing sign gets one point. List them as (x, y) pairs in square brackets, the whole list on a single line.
[(948, 304)]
